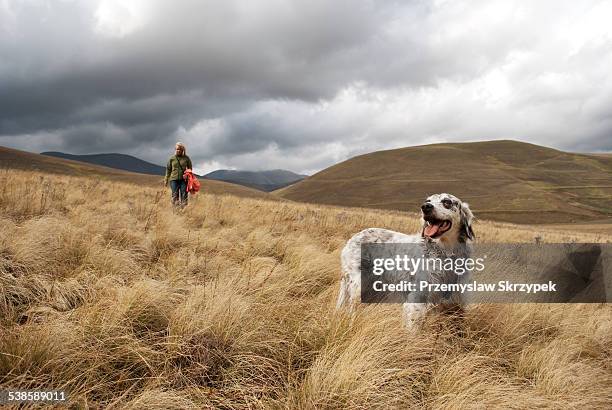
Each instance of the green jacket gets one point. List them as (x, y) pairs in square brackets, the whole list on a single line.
[(176, 166)]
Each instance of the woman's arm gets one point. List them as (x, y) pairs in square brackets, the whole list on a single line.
[(168, 171)]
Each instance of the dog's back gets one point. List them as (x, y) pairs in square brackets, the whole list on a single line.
[(350, 285)]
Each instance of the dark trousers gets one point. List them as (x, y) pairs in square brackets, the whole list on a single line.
[(179, 192)]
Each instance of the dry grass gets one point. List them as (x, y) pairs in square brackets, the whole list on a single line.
[(230, 304)]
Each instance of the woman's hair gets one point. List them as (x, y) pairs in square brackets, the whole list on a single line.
[(180, 144)]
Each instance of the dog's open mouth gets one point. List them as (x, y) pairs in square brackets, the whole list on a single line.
[(436, 227)]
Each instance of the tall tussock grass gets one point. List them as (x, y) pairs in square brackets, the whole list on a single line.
[(108, 293)]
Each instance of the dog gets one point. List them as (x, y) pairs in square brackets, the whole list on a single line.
[(447, 232)]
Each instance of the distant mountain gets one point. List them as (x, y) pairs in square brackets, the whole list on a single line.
[(262, 180), (117, 161), (502, 180)]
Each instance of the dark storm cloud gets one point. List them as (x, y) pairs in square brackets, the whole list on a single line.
[(201, 59), (300, 84), (191, 45)]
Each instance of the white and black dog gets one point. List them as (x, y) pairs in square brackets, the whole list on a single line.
[(447, 231)]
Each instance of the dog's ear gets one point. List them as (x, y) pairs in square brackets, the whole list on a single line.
[(466, 219)]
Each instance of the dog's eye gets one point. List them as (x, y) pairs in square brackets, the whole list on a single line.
[(447, 203)]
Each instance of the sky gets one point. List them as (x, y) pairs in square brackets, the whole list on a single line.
[(301, 85)]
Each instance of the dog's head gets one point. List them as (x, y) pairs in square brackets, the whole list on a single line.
[(447, 218)]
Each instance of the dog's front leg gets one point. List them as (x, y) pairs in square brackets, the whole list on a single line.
[(412, 313)]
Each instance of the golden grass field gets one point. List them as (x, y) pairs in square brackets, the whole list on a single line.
[(107, 293)]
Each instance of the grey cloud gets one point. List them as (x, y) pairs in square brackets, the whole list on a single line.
[(210, 49), (275, 74)]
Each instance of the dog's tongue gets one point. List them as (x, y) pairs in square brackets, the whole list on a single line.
[(431, 229)]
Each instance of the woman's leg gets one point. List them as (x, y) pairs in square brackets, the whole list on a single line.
[(183, 190), (174, 185)]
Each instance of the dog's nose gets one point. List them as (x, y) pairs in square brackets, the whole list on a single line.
[(426, 207)]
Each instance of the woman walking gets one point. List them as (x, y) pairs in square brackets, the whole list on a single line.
[(177, 165)]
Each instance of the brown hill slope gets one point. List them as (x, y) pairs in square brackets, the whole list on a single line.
[(16, 159), (503, 180)]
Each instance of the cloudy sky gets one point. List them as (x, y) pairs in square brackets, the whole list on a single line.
[(301, 85)]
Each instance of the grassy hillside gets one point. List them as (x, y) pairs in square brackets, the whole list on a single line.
[(502, 180), (16, 159), (107, 293)]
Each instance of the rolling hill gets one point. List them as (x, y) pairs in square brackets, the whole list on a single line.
[(16, 159), (502, 180), (262, 180)]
